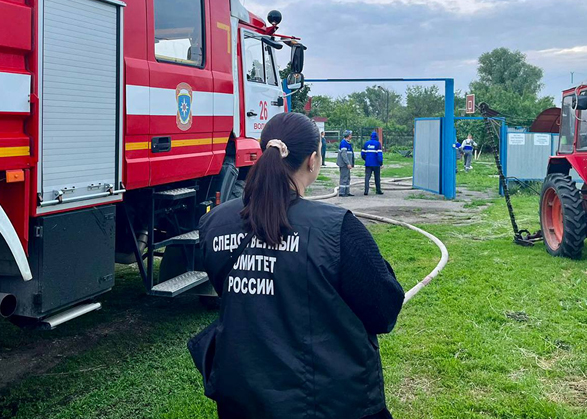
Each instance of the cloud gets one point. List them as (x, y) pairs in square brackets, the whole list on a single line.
[(430, 38), (465, 7), (577, 52)]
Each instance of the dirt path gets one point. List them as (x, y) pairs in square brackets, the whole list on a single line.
[(411, 206)]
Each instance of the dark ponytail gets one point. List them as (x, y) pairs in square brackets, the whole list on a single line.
[(270, 186)]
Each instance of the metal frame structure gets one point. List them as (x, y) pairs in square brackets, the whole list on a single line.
[(448, 158), (503, 132)]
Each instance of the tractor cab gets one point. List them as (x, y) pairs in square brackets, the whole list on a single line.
[(573, 125)]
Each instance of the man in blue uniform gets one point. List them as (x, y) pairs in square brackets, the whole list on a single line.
[(345, 161), (373, 156)]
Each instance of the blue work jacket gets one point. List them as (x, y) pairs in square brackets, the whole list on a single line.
[(372, 153)]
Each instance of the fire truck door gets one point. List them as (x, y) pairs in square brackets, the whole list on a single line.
[(80, 78), (181, 90), (262, 89)]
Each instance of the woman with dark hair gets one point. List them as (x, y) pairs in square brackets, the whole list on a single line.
[(306, 295)]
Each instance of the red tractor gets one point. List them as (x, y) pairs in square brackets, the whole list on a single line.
[(562, 205)]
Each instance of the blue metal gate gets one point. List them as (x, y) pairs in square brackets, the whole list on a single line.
[(427, 154)]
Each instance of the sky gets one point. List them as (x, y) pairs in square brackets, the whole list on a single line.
[(431, 38)]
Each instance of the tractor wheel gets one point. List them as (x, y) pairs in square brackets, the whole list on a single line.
[(562, 217)]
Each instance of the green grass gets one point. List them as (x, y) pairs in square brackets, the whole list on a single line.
[(405, 169), (501, 333), (143, 370), (475, 203), (482, 177)]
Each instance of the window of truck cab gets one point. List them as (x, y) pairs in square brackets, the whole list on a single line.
[(259, 60), (179, 32), (567, 131), (270, 65), (582, 137), (254, 61)]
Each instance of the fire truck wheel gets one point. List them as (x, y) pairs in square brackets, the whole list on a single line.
[(238, 189), (562, 217), (228, 176)]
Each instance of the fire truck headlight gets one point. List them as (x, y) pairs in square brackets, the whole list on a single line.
[(274, 17)]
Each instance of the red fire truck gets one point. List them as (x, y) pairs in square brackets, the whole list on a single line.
[(119, 125)]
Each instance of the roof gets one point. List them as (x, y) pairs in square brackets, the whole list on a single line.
[(319, 119), (548, 121)]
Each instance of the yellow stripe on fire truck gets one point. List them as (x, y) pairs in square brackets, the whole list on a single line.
[(177, 143), (15, 151)]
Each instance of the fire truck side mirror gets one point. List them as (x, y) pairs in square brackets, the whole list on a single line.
[(295, 81), (297, 57), (580, 103)]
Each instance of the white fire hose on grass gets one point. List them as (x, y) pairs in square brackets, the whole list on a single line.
[(400, 186)]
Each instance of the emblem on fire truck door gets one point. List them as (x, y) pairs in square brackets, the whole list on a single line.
[(183, 95)]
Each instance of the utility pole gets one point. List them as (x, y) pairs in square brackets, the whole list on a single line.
[(572, 78), (386, 103)]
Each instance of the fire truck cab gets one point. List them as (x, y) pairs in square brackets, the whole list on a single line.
[(121, 123)]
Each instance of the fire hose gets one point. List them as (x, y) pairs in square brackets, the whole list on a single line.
[(400, 186)]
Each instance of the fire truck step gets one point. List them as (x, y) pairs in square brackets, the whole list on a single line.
[(193, 237), (179, 284), (175, 194), (70, 314)]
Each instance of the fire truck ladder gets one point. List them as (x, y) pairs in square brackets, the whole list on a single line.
[(173, 199)]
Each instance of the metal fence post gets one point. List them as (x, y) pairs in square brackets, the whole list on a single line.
[(448, 158)]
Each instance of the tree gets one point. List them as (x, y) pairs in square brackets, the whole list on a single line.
[(298, 98), (322, 106), (508, 84), (378, 102), (347, 114), (508, 70)]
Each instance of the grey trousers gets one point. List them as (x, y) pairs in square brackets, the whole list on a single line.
[(468, 158), (345, 181), (376, 170)]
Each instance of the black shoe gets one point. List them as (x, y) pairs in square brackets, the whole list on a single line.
[(379, 192), (366, 193), (350, 194)]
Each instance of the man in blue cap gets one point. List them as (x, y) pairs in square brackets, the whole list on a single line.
[(345, 161), (373, 156)]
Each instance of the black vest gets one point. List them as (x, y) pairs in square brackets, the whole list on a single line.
[(288, 346)]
